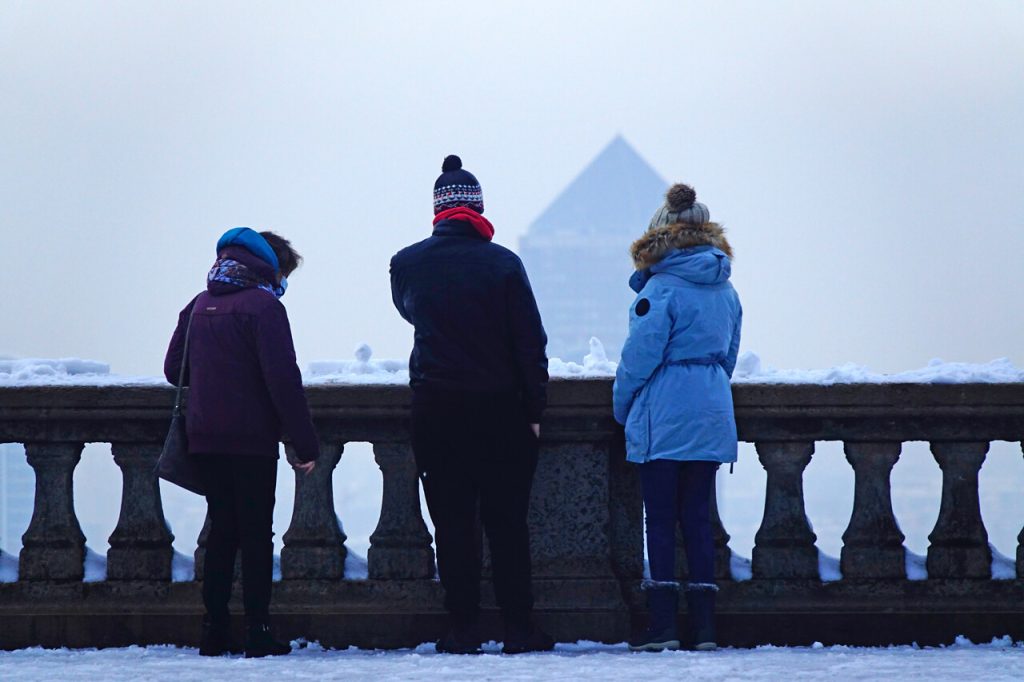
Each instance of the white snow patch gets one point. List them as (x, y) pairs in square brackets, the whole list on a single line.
[(356, 567), (362, 370), (365, 370), (1004, 642), (595, 364), (916, 565), (828, 568), (65, 372), (8, 568), (999, 660), (45, 367), (1003, 567), (183, 568), (747, 364), (95, 567), (740, 567), (750, 369)]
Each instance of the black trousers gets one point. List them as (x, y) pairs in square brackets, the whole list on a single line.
[(477, 452), (240, 502)]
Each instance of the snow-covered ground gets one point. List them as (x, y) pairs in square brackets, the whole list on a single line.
[(998, 660), (363, 369)]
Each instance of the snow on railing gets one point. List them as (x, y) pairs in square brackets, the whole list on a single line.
[(363, 369)]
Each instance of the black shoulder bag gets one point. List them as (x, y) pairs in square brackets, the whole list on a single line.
[(176, 465)]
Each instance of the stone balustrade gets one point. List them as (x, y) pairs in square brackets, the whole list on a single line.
[(586, 522)]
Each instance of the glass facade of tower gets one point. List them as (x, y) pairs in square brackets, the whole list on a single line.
[(577, 251)]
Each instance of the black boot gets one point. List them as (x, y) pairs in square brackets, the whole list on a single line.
[(700, 615), (661, 633), (522, 636), (215, 639), (463, 637), (259, 642)]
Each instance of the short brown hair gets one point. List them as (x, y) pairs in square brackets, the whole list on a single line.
[(287, 257)]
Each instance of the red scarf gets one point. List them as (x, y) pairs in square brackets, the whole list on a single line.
[(479, 223)]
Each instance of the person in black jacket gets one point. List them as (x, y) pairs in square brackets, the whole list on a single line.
[(479, 377)]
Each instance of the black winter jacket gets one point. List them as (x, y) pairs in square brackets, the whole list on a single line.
[(476, 322)]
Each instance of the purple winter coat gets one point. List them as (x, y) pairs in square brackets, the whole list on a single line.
[(244, 384)]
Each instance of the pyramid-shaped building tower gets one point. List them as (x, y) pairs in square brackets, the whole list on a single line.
[(577, 251)]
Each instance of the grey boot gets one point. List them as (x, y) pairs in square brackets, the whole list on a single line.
[(700, 615), (661, 633)]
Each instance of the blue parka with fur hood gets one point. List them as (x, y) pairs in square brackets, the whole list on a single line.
[(672, 390)]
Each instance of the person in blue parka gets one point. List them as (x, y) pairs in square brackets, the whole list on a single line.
[(672, 392)]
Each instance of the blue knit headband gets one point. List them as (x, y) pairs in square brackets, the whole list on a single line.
[(250, 239)]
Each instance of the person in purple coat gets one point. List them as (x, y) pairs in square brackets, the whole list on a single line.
[(245, 392)]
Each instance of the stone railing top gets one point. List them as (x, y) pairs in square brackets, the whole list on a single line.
[(585, 392), (580, 408)]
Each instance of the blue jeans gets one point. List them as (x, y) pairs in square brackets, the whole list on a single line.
[(679, 492)]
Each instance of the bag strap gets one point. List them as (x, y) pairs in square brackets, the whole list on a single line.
[(184, 363)]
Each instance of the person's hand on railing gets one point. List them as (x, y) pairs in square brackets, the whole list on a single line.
[(304, 467)]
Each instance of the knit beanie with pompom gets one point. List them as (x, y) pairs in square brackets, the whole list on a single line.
[(457, 187), (681, 206)]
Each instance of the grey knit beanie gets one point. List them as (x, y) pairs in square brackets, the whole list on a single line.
[(681, 206)]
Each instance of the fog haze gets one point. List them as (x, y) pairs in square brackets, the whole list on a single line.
[(867, 159)]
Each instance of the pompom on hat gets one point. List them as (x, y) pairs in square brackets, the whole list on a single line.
[(457, 187), (681, 206)]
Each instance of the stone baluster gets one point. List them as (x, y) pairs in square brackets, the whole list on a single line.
[(54, 545), (723, 555), (140, 546), (400, 545), (1020, 555), (873, 543), (626, 511), (1, 470), (1020, 547), (200, 555), (784, 544), (959, 543), (314, 544)]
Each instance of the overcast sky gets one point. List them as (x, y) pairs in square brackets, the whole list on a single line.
[(867, 159)]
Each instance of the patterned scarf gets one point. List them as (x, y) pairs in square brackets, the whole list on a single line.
[(230, 271)]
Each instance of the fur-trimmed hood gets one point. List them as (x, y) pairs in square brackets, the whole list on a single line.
[(655, 244)]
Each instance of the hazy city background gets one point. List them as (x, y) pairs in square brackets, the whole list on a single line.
[(867, 159)]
